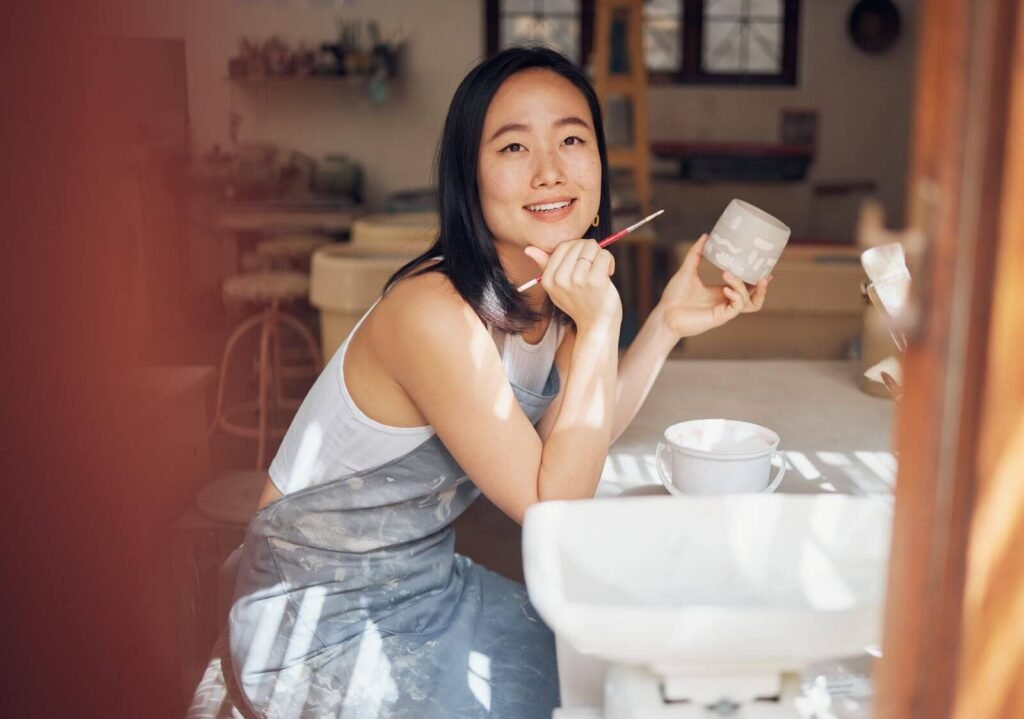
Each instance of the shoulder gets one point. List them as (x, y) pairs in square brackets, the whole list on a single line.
[(423, 316), (427, 301)]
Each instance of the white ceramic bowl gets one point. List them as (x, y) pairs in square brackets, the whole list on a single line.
[(719, 456)]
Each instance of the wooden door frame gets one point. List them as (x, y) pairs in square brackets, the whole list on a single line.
[(957, 189)]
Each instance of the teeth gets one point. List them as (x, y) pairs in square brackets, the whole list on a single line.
[(548, 207)]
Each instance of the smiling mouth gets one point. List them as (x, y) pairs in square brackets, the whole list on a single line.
[(549, 206)]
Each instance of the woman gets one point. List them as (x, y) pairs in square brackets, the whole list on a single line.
[(350, 600)]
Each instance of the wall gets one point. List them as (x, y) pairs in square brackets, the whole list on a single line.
[(864, 104), (395, 142), (864, 101)]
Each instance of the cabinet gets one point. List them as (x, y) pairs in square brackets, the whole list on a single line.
[(814, 309)]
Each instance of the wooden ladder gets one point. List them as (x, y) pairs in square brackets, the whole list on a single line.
[(631, 86), (634, 157)]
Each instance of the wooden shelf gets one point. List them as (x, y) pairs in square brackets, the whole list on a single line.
[(294, 79)]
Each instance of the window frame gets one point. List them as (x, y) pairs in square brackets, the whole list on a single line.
[(492, 28), (692, 34)]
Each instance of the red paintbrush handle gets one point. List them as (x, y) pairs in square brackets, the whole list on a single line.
[(611, 238), (603, 243)]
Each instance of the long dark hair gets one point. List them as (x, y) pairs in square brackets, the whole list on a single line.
[(470, 260)]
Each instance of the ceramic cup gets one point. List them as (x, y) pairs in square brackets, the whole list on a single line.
[(746, 241), (719, 456)]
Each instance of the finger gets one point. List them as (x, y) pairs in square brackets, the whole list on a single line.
[(554, 262), (590, 249), (547, 275), (733, 307), (757, 297), (738, 286), (567, 263), (585, 262), (604, 264), (582, 269), (692, 259), (538, 255)]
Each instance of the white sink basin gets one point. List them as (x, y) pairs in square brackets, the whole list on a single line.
[(750, 585)]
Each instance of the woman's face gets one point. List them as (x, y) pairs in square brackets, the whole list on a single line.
[(539, 170)]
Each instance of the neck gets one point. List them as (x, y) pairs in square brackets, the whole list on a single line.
[(520, 270)]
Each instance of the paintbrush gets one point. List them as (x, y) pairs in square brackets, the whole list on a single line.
[(603, 243)]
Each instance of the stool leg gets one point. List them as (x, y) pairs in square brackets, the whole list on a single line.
[(306, 335), (233, 339), (278, 394), (264, 385)]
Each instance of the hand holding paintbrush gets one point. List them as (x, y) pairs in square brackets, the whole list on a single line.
[(603, 243)]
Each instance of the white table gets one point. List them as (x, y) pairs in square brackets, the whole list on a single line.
[(837, 438)]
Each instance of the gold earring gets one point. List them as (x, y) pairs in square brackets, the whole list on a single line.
[(597, 219)]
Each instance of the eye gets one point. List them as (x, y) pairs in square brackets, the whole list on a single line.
[(573, 140), (512, 147)]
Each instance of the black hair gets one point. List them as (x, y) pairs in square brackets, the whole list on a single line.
[(466, 246)]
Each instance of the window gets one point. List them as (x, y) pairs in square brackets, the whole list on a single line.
[(746, 40), (663, 39), (685, 41), (553, 22), (566, 25)]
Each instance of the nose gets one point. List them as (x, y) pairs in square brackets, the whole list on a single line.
[(548, 171)]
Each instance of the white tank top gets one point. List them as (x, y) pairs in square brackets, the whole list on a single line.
[(331, 437)]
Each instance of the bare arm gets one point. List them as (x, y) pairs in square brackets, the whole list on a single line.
[(444, 359), (639, 367), (687, 307), (637, 370), (581, 431)]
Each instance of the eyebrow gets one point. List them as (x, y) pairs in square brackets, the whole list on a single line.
[(520, 127)]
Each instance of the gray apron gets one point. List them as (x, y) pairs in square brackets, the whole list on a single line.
[(351, 602)]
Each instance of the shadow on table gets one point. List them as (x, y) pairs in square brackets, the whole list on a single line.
[(857, 473)]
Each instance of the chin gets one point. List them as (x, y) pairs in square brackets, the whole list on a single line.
[(551, 239), (547, 236)]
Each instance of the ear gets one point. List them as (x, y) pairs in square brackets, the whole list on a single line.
[(537, 255)]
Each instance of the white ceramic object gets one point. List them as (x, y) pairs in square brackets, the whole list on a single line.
[(883, 261), (886, 268), (400, 232), (719, 456), (746, 241), (890, 294), (713, 595), (890, 366), (344, 282)]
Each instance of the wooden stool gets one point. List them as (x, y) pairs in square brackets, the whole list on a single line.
[(233, 497), (270, 289), (290, 252)]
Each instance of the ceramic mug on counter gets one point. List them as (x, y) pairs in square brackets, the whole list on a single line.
[(746, 241), (719, 456)]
